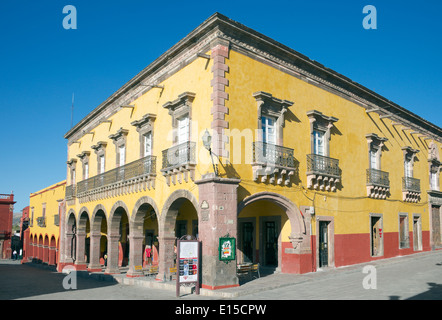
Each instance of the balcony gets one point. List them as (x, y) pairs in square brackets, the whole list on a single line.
[(323, 173), (131, 177), (272, 163), (41, 222), (411, 189), (179, 162), (71, 192), (378, 184)]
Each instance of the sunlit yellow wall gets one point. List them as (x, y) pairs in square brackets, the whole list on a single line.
[(195, 78), (349, 206), (52, 196)]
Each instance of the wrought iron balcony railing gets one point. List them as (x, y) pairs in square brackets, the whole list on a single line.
[(378, 178), (411, 184), (135, 169), (270, 154), (41, 222), (323, 165), (178, 155), (70, 192)]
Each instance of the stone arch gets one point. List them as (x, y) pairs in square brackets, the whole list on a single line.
[(96, 214), (52, 250), (170, 209), (70, 237), (297, 257), (296, 218), (82, 218), (136, 218), (115, 216), (138, 236), (116, 252), (71, 221), (98, 242), (167, 223)]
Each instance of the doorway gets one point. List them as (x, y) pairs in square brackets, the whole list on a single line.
[(435, 217), (417, 233), (270, 243), (246, 243), (323, 244), (376, 236)]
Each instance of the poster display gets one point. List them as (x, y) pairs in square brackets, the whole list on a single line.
[(227, 249), (188, 261)]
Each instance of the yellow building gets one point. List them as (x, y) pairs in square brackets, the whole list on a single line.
[(46, 208), (305, 168)]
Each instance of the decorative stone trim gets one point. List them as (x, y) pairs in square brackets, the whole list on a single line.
[(84, 158), (100, 151), (144, 126), (273, 107), (378, 183), (323, 172), (135, 185), (272, 162), (220, 52), (119, 139), (179, 108), (184, 163), (411, 191)]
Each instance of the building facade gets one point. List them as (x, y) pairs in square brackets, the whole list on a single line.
[(46, 209), (6, 212), (24, 232), (230, 133)]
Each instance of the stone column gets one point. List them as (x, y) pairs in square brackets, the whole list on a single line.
[(112, 254), (52, 253), (167, 254), (80, 261), (217, 218), (94, 252), (135, 255)]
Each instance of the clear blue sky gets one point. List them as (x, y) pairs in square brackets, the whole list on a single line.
[(42, 64)]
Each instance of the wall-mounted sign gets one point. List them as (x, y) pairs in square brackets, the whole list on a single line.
[(204, 205), (227, 249)]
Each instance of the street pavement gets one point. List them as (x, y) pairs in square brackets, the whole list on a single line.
[(415, 277)]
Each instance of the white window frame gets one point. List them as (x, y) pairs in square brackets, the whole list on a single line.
[(268, 129), (319, 142)]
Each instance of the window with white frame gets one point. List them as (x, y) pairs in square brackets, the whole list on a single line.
[(101, 164), (434, 180), (320, 132), (119, 139), (318, 142), (183, 129), (268, 129), (100, 151), (122, 155), (86, 170), (145, 130), (408, 166), (148, 144)]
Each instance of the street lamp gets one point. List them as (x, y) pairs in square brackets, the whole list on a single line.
[(207, 142)]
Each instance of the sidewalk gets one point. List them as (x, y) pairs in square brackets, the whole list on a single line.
[(265, 283)]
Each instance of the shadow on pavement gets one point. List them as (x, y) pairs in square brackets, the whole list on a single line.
[(433, 293), (26, 280)]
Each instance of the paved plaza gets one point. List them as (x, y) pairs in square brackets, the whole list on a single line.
[(410, 277)]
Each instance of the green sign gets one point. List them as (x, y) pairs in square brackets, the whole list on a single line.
[(227, 249)]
